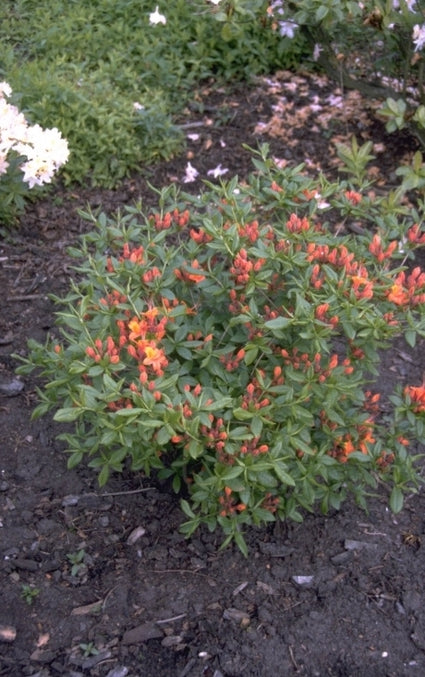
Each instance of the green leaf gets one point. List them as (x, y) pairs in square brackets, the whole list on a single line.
[(410, 336), (251, 356), (187, 509), (223, 403), (277, 323), (67, 414), (396, 500), (145, 422), (103, 475), (285, 478), (135, 412), (321, 13), (256, 426), (74, 459), (241, 543), (231, 473), (185, 353), (163, 436), (264, 477), (241, 414), (229, 31), (188, 528), (177, 483)]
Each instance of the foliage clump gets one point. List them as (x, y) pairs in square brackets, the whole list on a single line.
[(230, 342)]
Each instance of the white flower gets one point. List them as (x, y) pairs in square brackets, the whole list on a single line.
[(157, 18), (217, 171), (3, 163), (418, 36), (12, 124), (45, 150), (410, 4), (321, 204), (45, 146), (316, 52), (276, 7), (191, 174), (36, 172), (5, 89), (214, 2), (138, 106), (287, 29)]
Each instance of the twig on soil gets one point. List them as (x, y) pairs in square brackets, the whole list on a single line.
[(294, 662), (121, 493), (178, 571), (171, 620), (25, 297)]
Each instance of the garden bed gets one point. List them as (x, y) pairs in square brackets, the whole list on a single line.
[(120, 591)]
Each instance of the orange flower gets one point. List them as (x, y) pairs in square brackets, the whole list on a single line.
[(148, 325), (415, 236), (151, 274), (377, 250), (417, 397), (200, 236), (250, 231), (135, 255), (155, 358), (362, 286), (275, 186), (410, 290), (229, 507), (353, 197), (297, 225), (190, 276), (398, 295)]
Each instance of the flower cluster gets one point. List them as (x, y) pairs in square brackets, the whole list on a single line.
[(228, 340), (416, 395), (44, 149), (408, 290)]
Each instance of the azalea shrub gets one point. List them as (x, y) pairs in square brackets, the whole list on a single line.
[(230, 343)]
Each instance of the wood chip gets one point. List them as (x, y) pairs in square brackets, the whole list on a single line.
[(142, 633), (93, 608), (137, 533), (232, 614)]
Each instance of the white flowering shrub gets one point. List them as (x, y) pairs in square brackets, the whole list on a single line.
[(29, 155)]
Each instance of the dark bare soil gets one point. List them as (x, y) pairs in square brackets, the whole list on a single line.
[(120, 591)]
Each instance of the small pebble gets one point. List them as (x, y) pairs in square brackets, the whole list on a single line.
[(358, 545), (119, 671), (11, 388), (303, 580), (70, 500)]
